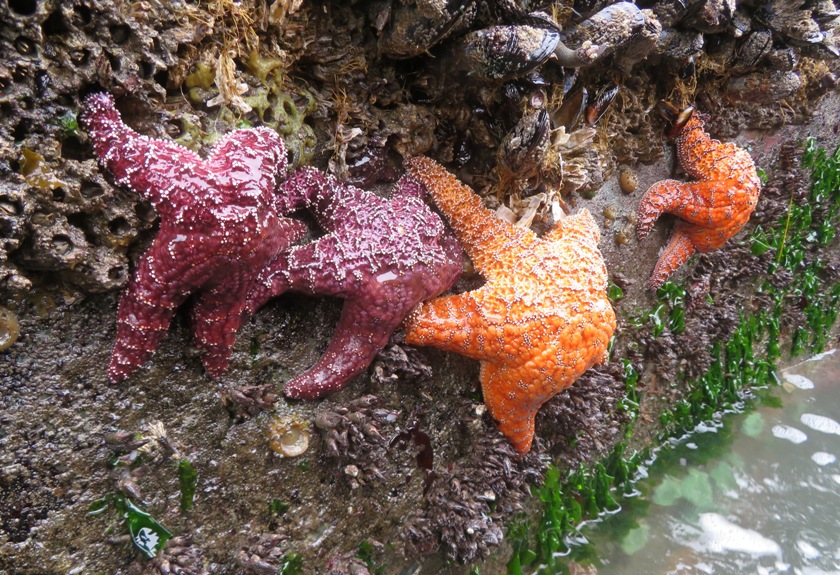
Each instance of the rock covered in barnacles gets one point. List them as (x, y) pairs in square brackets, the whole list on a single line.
[(763, 87), (264, 554), (400, 363), (180, 557), (249, 401), (572, 163), (347, 564), (470, 501), (585, 421), (607, 30), (351, 435)]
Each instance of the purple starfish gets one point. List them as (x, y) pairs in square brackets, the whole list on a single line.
[(219, 225), (382, 256)]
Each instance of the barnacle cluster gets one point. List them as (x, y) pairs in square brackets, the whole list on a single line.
[(351, 435), (181, 556), (469, 502)]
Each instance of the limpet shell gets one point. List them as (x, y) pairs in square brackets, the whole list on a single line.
[(9, 329), (287, 435), (628, 180)]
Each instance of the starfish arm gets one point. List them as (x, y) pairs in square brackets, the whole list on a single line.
[(675, 254), (578, 228), (362, 331), (409, 187), (146, 308), (511, 408), (483, 234), (708, 204), (451, 323), (330, 200), (664, 196), (316, 268), (247, 162), (164, 173), (216, 317), (704, 158)]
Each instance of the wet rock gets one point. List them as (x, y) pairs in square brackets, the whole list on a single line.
[(55, 244)]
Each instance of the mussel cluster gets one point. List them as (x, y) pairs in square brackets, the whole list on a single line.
[(531, 68)]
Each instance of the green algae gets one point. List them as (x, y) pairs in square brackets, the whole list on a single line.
[(187, 480), (148, 535)]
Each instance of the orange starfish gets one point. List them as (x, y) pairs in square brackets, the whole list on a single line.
[(712, 209), (540, 321)]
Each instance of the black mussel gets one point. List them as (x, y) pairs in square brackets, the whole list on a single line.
[(501, 52), (605, 31), (572, 108), (755, 47), (522, 150), (763, 87), (600, 103), (414, 27)]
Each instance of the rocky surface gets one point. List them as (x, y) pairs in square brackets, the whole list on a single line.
[(419, 473)]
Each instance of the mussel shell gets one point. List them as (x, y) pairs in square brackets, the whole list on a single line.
[(572, 108), (601, 103), (609, 29), (415, 28), (501, 52), (523, 148), (763, 87)]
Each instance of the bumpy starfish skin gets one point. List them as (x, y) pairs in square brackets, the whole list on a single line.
[(540, 321), (381, 256), (712, 209), (219, 225)]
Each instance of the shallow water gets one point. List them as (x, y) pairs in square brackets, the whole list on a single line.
[(759, 492)]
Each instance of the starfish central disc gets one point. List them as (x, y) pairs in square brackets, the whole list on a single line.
[(219, 225), (711, 209), (381, 256), (541, 319)]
